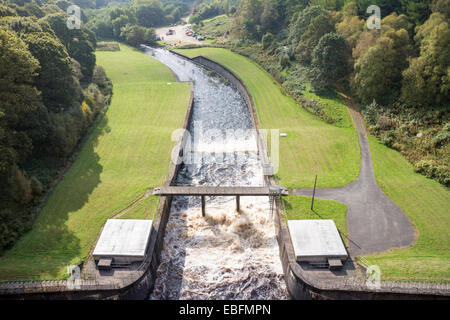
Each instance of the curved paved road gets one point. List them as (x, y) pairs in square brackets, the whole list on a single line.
[(375, 222)]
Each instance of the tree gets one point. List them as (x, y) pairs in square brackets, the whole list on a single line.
[(247, 22), (7, 11), (396, 22), (18, 98), (22, 115), (351, 28), (379, 69), (299, 27), (136, 35), (330, 60), (120, 18), (318, 27), (417, 10), (269, 17), (441, 6), (267, 40), (427, 80), (150, 13), (55, 80), (386, 6), (80, 44)]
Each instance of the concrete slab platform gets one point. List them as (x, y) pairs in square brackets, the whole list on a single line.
[(123, 240), (316, 241)]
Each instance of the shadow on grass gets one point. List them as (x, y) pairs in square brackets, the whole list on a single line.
[(49, 246)]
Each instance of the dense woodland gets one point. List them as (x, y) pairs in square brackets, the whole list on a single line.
[(50, 93), (51, 90)]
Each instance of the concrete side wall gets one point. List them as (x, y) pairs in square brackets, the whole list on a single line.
[(299, 284)]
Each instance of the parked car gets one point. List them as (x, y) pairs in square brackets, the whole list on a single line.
[(200, 38)]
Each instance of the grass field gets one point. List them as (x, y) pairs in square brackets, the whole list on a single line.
[(144, 210), (299, 208), (128, 152), (426, 202), (312, 146)]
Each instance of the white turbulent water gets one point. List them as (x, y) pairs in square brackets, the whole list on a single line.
[(226, 255)]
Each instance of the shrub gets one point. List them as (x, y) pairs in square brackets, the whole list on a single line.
[(434, 170), (370, 112), (385, 123), (20, 187), (388, 138), (441, 139), (36, 186), (108, 46), (267, 40)]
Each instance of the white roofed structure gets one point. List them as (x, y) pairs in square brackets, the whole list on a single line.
[(317, 241), (123, 241)]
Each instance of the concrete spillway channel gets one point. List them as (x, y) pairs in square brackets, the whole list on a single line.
[(226, 254)]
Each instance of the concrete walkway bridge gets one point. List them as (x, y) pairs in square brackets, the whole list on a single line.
[(272, 191)]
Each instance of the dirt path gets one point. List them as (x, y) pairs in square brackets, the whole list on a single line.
[(375, 222)]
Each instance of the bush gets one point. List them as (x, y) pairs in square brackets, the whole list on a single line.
[(441, 139), (36, 186), (267, 40), (434, 170), (108, 46), (370, 112), (385, 123), (388, 138), (20, 187)]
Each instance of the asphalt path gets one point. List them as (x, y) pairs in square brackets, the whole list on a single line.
[(375, 222)]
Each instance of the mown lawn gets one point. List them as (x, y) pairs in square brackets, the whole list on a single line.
[(312, 146), (127, 153), (426, 203), (299, 208), (143, 210)]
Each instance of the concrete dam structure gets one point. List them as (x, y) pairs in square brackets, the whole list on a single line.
[(227, 254)]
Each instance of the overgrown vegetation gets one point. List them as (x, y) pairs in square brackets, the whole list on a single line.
[(421, 135), (51, 91), (108, 46)]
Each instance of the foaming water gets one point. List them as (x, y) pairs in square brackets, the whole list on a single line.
[(225, 255)]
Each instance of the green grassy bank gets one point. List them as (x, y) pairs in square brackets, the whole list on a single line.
[(426, 202), (312, 146), (127, 153)]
